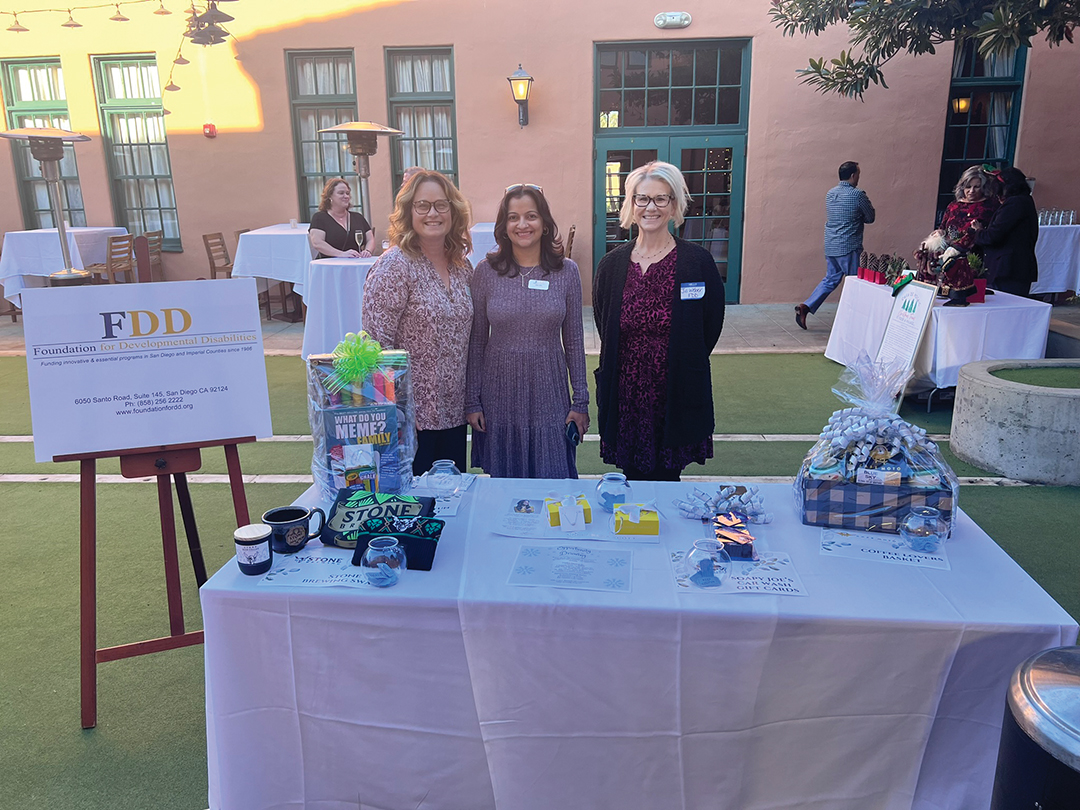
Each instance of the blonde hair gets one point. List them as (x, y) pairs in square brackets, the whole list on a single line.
[(656, 170), (458, 243)]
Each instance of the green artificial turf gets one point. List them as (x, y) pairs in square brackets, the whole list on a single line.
[(1053, 377)]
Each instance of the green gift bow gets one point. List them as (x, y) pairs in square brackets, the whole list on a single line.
[(355, 358)]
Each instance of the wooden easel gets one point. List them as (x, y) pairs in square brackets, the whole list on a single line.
[(176, 460)]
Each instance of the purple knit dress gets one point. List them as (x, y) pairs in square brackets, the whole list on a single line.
[(526, 343), (644, 333)]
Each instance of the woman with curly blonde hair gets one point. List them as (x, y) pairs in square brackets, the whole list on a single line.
[(416, 298)]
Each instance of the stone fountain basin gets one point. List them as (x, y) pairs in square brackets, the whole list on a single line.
[(1027, 432)]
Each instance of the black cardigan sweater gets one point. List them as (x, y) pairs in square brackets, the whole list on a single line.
[(695, 329), (1009, 241)]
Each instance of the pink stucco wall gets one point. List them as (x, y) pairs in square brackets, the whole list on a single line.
[(796, 138)]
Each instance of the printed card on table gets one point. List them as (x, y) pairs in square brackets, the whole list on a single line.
[(887, 548), (574, 567), (316, 567), (773, 573)]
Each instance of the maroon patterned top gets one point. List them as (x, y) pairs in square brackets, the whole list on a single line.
[(644, 332), (957, 224)]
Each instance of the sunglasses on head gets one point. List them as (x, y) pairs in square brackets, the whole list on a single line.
[(523, 186)]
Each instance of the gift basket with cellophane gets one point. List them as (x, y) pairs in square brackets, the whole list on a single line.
[(362, 418), (870, 468)]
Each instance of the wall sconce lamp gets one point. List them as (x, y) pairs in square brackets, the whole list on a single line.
[(961, 105), (521, 85)]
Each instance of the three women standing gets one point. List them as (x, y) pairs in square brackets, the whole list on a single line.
[(527, 338), (658, 302), (416, 297)]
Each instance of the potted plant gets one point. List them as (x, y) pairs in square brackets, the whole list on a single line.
[(975, 262)]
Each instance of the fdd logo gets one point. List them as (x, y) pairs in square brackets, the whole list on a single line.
[(143, 322)]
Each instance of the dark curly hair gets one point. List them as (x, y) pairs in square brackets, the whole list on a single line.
[(1014, 182), (551, 247)]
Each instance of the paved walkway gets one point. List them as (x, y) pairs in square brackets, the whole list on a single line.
[(748, 329)]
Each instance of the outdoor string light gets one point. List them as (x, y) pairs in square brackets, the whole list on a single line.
[(17, 27)]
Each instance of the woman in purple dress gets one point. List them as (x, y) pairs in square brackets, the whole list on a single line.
[(659, 308), (527, 340)]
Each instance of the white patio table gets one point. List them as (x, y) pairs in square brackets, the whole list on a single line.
[(1058, 254), (333, 293), (884, 687), (279, 252), (29, 257), (1005, 327)]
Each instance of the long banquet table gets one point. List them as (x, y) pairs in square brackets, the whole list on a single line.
[(30, 256), (884, 687), (1006, 327), (1058, 253), (334, 293)]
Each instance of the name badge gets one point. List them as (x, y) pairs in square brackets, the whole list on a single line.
[(541, 284), (692, 291)]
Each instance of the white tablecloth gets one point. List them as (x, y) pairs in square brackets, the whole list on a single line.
[(333, 292), (279, 252), (483, 241), (1006, 327), (883, 688), (1058, 253), (29, 256)]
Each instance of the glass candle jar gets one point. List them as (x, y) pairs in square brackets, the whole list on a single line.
[(253, 552), (613, 490), (444, 479), (923, 529), (383, 561), (707, 564)]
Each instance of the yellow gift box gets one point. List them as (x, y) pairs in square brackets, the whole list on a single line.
[(553, 509), (649, 523)]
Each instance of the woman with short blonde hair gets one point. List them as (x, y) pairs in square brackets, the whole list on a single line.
[(658, 302)]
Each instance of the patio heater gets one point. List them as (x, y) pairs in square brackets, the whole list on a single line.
[(47, 146), (363, 143)]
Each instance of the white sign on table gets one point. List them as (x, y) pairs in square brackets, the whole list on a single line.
[(907, 323), (122, 366), (566, 566), (888, 548), (772, 573)]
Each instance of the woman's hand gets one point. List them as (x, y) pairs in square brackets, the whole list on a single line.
[(579, 419), (976, 225), (365, 254), (476, 421), (350, 254)]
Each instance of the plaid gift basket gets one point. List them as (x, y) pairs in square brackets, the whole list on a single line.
[(362, 418), (869, 467)]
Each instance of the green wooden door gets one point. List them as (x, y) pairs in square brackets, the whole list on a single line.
[(714, 167)]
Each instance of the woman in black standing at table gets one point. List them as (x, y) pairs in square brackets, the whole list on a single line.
[(335, 230), (1009, 240), (659, 308)]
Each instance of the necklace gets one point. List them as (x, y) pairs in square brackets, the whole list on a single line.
[(524, 274), (646, 257)]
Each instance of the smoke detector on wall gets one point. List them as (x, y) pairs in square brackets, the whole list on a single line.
[(671, 19)]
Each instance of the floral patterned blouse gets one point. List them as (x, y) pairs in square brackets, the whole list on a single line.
[(407, 306)]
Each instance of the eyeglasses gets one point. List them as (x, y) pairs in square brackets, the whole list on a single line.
[(523, 186), (660, 200), (423, 206)]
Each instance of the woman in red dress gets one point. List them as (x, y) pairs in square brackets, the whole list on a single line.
[(976, 201)]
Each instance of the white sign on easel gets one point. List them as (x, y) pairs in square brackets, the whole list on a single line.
[(908, 318), (122, 366)]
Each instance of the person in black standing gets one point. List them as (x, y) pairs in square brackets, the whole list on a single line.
[(1009, 240)]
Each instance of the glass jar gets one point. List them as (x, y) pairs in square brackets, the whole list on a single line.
[(444, 479), (707, 564), (923, 529), (383, 561), (613, 490)]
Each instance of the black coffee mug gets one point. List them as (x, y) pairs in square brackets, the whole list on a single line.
[(290, 527)]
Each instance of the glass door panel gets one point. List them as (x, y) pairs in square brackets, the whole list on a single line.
[(615, 159)]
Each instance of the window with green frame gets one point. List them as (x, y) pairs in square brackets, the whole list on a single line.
[(35, 96), (420, 92), (133, 128), (983, 114), (322, 93), (686, 85)]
